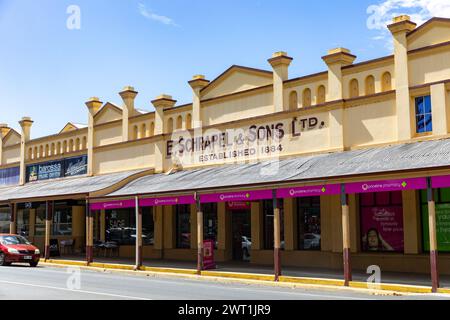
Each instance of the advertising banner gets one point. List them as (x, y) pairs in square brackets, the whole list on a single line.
[(75, 166), (382, 228), (386, 185), (310, 191), (167, 201), (57, 169), (113, 204), (442, 227), (208, 255), (236, 196)]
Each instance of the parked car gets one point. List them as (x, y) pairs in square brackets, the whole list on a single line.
[(16, 248)]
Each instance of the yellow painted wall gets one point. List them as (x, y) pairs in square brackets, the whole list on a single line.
[(438, 34), (108, 134), (139, 155), (370, 124), (232, 109), (430, 67), (237, 81)]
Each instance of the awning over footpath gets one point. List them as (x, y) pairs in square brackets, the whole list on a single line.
[(421, 155), (67, 186)]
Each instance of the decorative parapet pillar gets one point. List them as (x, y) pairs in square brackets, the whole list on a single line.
[(440, 104), (25, 124), (3, 131), (161, 103), (335, 60), (93, 104), (280, 62), (400, 27), (197, 83), (128, 94)]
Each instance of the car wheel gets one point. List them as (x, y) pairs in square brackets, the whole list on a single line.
[(3, 262), (33, 264)]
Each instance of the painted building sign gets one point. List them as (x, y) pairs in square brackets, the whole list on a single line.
[(382, 228), (237, 196), (309, 191), (440, 182), (386, 185), (113, 204), (252, 142), (57, 169), (167, 201), (9, 176)]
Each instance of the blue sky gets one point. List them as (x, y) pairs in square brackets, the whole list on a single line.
[(47, 71)]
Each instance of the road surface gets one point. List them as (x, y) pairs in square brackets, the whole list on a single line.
[(49, 283)]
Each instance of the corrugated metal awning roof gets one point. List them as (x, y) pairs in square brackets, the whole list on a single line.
[(66, 186), (419, 155)]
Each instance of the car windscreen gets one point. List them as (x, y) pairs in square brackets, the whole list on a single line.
[(13, 240)]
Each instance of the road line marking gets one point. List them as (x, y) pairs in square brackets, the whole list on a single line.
[(80, 291)]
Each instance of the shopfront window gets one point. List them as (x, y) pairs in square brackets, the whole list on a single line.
[(5, 218), (121, 226), (308, 219), (62, 220), (442, 199), (39, 226), (183, 226), (210, 222), (23, 222), (268, 216), (424, 119), (382, 221), (148, 226)]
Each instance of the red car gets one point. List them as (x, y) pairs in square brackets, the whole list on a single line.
[(15, 248)]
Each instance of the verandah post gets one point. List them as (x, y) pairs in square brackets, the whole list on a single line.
[(48, 220), (138, 212), (89, 234), (346, 236), (199, 236), (433, 236), (13, 223), (276, 237)]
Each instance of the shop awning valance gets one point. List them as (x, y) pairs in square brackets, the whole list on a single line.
[(67, 186), (420, 155)]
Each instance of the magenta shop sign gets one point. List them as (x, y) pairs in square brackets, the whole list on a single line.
[(236, 196), (166, 201), (386, 185), (114, 204), (440, 182), (310, 191)]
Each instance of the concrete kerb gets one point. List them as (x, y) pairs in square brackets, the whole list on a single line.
[(250, 278)]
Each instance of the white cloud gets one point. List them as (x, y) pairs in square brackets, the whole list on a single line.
[(381, 14), (155, 17)]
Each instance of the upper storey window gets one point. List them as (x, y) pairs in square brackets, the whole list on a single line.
[(424, 121)]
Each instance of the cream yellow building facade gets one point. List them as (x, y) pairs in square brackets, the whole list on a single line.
[(349, 106)]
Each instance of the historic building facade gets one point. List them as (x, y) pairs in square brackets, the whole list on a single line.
[(253, 116)]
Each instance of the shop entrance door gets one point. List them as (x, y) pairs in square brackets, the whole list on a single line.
[(240, 222)]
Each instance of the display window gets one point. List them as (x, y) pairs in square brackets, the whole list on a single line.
[(308, 221), (183, 226), (381, 222)]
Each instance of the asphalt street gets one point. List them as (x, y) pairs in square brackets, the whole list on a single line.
[(48, 283)]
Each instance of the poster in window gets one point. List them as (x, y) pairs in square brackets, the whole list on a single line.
[(382, 228), (9, 176), (442, 227)]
